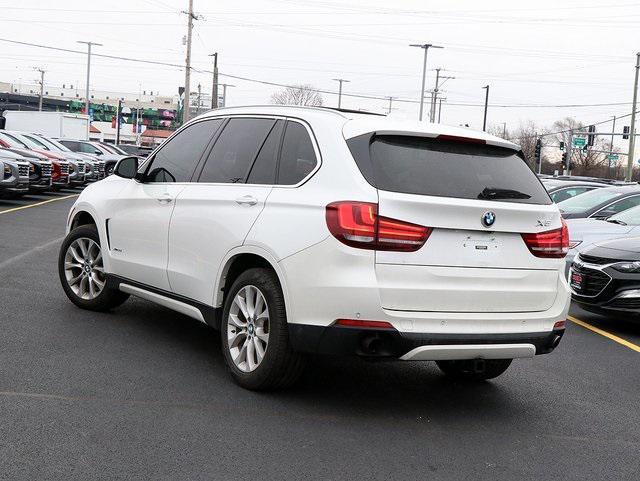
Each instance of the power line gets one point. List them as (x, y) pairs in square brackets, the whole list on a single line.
[(324, 91)]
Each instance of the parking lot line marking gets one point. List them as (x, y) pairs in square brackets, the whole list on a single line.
[(606, 334), (38, 203)]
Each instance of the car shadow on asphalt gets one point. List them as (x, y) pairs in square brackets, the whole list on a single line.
[(342, 383)]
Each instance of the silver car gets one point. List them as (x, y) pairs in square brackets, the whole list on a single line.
[(584, 232)]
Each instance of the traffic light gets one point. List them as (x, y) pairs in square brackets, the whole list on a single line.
[(564, 158), (538, 151), (625, 132), (561, 145), (591, 136)]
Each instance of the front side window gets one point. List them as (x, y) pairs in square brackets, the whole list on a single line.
[(233, 153), (177, 159), (298, 158), (624, 204), (564, 194)]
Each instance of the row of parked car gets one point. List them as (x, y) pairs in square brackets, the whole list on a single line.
[(603, 262), (33, 163)]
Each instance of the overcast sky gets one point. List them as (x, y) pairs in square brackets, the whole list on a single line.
[(539, 53)]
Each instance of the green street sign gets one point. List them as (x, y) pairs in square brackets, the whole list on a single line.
[(579, 141), (612, 157)]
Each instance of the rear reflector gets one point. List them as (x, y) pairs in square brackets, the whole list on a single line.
[(357, 224), (559, 325), (363, 323), (550, 244)]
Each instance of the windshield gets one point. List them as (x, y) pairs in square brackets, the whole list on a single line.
[(13, 141), (588, 200), (446, 168), (54, 144), (627, 217), (111, 148), (35, 142)]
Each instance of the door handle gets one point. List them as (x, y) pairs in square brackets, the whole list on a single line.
[(164, 199), (247, 200)]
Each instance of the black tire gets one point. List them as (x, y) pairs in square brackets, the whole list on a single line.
[(109, 297), (281, 366), (474, 369)]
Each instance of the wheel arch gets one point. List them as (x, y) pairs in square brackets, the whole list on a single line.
[(240, 259)]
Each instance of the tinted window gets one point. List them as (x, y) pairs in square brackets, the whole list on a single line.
[(232, 155), (298, 158), (624, 204), (177, 159), (89, 149), (564, 194), (589, 200), (444, 168), (71, 144), (629, 217), (264, 168)]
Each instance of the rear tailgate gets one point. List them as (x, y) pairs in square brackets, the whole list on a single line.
[(466, 265)]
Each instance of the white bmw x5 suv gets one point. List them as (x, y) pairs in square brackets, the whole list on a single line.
[(300, 230)]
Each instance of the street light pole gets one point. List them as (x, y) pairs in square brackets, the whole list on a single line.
[(224, 93), (486, 105), (340, 80), (632, 137), (214, 90), (87, 99), (41, 88), (425, 47)]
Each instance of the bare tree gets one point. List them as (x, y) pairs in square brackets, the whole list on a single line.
[(589, 161), (298, 95)]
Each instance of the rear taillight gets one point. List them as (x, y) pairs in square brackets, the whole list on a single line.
[(553, 243), (357, 224)]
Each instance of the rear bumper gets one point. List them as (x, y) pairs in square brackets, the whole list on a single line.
[(393, 344)]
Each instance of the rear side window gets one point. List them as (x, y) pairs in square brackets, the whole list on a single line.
[(298, 159), (564, 194), (71, 144), (232, 155), (445, 168), (177, 159), (266, 164)]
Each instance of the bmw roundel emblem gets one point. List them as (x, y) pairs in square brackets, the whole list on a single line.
[(488, 218)]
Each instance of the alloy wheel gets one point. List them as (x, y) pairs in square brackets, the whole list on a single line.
[(248, 328), (84, 269)]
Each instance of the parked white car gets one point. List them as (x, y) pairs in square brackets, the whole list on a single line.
[(295, 229)]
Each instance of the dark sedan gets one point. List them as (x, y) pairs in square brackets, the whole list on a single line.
[(606, 277), (601, 203)]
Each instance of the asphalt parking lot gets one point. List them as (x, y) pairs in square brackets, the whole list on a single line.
[(142, 393)]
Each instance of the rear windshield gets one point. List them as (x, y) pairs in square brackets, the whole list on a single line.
[(588, 200), (444, 168)]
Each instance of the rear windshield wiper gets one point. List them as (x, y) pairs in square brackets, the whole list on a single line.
[(616, 221), (490, 193)]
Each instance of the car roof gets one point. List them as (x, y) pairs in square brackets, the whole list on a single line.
[(355, 123)]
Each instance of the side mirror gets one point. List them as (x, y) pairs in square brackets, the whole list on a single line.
[(97, 152), (127, 168)]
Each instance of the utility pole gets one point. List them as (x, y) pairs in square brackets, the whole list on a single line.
[(118, 115), (187, 71), (42, 72), (632, 137), (224, 93), (613, 131), (569, 152), (199, 99), (390, 103), (440, 107), (340, 80), (89, 45), (504, 130), (214, 90), (486, 106), (434, 96), (425, 47)]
